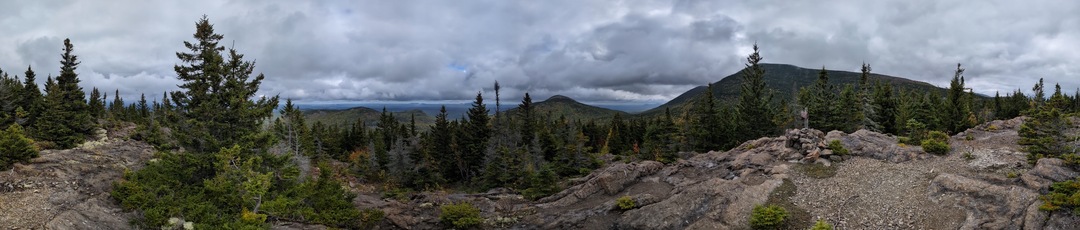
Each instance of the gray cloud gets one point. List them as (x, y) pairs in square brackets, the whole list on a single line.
[(590, 50)]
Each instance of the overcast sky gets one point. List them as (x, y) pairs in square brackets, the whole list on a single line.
[(602, 50)]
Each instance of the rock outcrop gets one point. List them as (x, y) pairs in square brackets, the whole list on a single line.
[(715, 190), (1003, 205), (69, 189)]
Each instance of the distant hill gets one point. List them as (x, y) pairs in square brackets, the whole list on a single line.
[(346, 117), (560, 105), (785, 80)]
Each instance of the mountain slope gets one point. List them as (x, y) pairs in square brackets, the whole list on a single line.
[(559, 105), (785, 80)]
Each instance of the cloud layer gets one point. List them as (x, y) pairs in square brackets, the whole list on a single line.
[(631, 51)]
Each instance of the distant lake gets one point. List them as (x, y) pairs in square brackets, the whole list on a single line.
[(456, 109)]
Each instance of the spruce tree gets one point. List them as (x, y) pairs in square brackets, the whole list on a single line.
[(9, 97), (116, 108), (291, 128), (441, 137), (47, 128), (97, 104), (871, 113), (1038, 98), (755, 111), (1042, 133), (475, 141), (850, 118), (706, 128), (32, 99), (215, 108), (885, 100), (822, 103), (143, 109), (958, 108), (528, 121), (66, 120)]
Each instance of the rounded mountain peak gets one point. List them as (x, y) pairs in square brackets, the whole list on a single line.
[(560, 98)]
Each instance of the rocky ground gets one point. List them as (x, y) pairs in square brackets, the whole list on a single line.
[(69, 189)]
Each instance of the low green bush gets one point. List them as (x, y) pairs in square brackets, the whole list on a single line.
[(937, 135), (838, 148), (821, 225), (935, 147), (767, 217), (625, 202), (936, 142), (370, 217), (461, 215), (15, 147), (1065, 194)]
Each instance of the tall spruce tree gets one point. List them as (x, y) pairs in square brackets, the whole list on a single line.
[(97, 104), (871, 113), (707, 128), (116, 108), (32, 99), (822, 103), (850, 117), (477, 133), (66, 120), (440, 149), (958, 107), (215, 108), (755, 113), (9, 99), (885, 100), (528, 121)]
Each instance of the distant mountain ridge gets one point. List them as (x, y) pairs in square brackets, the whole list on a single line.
[(785, 80), (563, 106), (346, 117)]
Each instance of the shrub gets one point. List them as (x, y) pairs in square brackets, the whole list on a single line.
[(767, 217), (937, 135), (968, 156), (936, 142), (1011, 175), (821, 225), (1065, 194), (15, 147), (837, 147), (625, 202), (935, 147), (904, 140), (370, 217), (461, 215)]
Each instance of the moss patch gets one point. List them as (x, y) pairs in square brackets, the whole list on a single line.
[(797, 218)]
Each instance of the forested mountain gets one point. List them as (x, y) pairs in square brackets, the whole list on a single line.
[(785, 80), (563, 106)]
